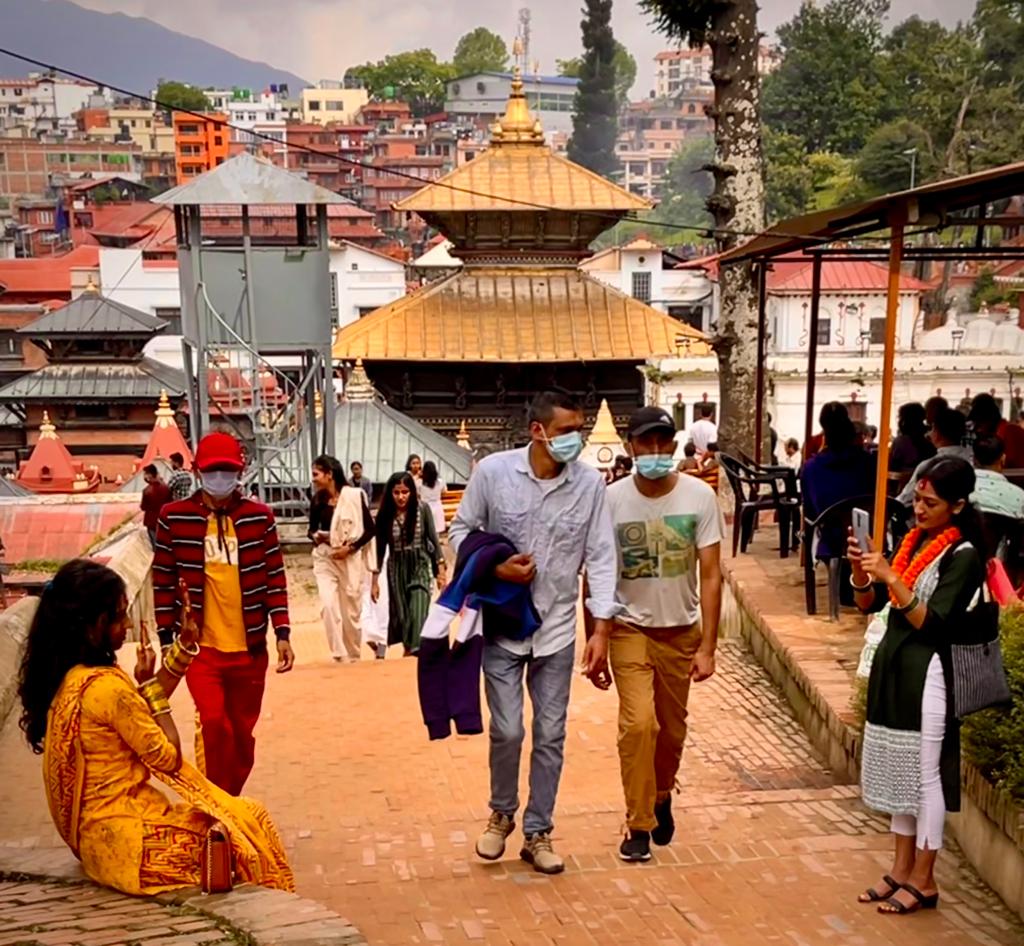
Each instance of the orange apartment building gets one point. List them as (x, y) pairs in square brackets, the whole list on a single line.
[(200, 145)]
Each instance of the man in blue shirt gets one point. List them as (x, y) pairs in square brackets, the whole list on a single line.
[(554, 511)]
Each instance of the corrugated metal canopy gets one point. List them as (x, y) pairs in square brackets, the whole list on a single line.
[(135, 381), (509, 315), (93, 314), (246, 179), (930, 200), (12, 489), (382, 439)]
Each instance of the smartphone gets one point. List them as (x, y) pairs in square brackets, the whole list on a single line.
[(862, 529)]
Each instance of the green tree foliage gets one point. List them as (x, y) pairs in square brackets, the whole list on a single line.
[(625, 71), (885, 161), (826, 88), (416, 77), (594, 120), (994, 739), (788, 179), (480, 50), (175, 95)]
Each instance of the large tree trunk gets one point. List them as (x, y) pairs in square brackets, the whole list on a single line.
[(737, 205)]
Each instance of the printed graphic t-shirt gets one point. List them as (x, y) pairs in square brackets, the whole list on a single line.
[(658, 540), (223, 626)]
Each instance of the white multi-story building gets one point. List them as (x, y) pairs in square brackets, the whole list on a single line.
[(362, 280), (44, 105), (483, 96), (972, 352), (264, 112), (674, 68)]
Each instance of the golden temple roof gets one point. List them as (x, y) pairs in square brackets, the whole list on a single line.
[(518, 170), (516, 315)]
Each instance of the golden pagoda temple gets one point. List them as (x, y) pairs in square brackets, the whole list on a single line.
[(519, 316)]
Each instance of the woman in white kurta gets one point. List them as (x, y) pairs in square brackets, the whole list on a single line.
[(344, 552), (430, 489)]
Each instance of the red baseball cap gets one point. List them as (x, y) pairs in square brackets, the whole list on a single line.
[(219, 450)]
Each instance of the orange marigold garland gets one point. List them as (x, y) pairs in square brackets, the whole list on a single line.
[(909, 571)]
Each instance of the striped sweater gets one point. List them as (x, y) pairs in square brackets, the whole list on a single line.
[(180, 553)]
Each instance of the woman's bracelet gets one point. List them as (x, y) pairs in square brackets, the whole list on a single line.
[(178, 657), (153, 693), (907, 608), (867, 586)]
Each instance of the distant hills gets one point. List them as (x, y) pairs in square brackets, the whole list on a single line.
[(132, 52)]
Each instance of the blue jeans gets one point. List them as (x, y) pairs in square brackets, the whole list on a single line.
[(548, 679)]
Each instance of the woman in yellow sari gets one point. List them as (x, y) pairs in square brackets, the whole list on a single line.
[(102, 738)]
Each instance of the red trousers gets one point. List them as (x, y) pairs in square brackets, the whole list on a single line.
[(228, 693)]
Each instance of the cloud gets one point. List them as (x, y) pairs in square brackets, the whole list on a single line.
[(322, 38)]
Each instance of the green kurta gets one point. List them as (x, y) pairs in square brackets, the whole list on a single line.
[(891, 765), (412, 568)]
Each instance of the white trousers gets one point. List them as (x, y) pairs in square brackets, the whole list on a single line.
[(927, 827), (340, 585), (375, 616)]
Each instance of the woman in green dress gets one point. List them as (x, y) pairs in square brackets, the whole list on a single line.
[(405, 530), (911, 756)]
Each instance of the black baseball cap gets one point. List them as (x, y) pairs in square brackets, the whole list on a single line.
[(649, 419)]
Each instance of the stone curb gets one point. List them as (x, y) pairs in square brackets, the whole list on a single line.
[(260, 916)]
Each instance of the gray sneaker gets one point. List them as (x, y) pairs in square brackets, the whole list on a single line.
[(538, 851), (491, 844)]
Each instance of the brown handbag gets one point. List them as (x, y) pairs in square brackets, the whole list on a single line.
[(218, 876)]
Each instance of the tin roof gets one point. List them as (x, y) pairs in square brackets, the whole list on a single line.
[(246, 179), (93, 314), (143, 380), (382, 438), (515, 315)]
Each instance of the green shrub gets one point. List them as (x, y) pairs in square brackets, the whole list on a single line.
[(994, 740)]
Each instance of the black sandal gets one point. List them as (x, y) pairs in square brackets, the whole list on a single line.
[(922, 902), (873, 896)]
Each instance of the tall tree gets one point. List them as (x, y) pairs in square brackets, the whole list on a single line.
[(893, 154), (729, 27), (416, 77), (595, 114), (179, 95), (625, 71), (480, 50), (826, 89)]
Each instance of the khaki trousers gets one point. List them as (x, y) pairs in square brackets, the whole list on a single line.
[(340, 584), (652, 674)]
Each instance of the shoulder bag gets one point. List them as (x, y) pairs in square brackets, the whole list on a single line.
[(979, 678)]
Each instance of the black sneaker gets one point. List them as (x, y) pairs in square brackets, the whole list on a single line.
[(666, 828), (636, 847)]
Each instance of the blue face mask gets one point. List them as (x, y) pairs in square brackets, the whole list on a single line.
[(655, 466), (565, 447), (220, 483)]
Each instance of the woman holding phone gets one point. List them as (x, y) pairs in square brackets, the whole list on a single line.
[(911, 757)]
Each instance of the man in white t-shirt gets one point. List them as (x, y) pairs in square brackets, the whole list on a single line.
[(704, 431), (668, 532)]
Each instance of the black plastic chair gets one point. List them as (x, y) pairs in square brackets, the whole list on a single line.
[(839, 518), (756, 490), (1004, 539)]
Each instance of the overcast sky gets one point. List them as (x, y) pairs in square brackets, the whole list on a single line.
[(322, 38)]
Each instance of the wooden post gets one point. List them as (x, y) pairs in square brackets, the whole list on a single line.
[(762, 292), (812, 349), (892, 309)]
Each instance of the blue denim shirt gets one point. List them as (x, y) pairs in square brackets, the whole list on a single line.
[(564, 523)]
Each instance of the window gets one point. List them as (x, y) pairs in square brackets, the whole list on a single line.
[(335, 106), (10, 346), (366, 310), (642, 286), (188, 129), (218, 140), (92, 411), (45, 216), (666, 125), (877, 332), (314, 105), (824, 331), (355, 267), (692, 315), (172, 316)]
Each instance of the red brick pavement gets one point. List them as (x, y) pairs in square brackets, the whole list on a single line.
[(380, 824)]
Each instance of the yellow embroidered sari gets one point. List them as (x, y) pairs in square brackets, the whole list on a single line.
[(102, 744)]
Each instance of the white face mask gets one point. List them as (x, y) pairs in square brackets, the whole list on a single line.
[(220, 483)]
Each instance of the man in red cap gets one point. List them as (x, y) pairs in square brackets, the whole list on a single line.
[(224, 547)]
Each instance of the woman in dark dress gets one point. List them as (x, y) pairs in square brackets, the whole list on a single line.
[(405, 529), (911, 446), (911, 756)]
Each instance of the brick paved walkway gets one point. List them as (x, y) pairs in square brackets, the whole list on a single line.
[(380, 824)]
